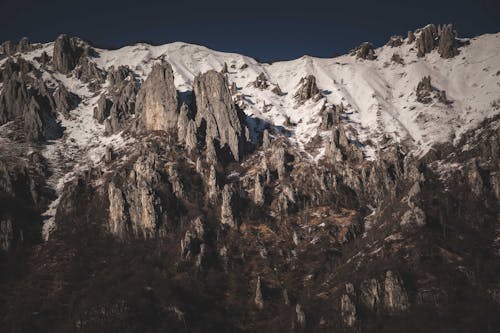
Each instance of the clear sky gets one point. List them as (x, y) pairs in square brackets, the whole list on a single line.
[(267, 30)]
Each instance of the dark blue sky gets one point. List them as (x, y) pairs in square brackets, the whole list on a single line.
[(267, 30)]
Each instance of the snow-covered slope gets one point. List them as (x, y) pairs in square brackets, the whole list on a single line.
[(379, 94)]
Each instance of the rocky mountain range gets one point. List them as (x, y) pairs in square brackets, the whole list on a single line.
[(175, 188)]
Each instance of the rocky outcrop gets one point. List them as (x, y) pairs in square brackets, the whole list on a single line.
[(217, 118), (157, 100), (67, 53), (261, 81), (307, 90), (364, 51), (395, 41), (116, 108), (426, 40), (88, 72), (424, 90), (258, 191), (447, 46), (442, 37), (227, 216), (193, 245), (118, 219), (300, 316), (64, 100), (6, 234), (258, 299), (348, 307), (395, 297), (410, 38)]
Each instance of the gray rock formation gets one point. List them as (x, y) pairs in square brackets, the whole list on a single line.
[(261, 81), (88, 72), (348, 307), (301, 316), (227, 216), (217, 117), (371, 294), (193, 245), (365, 51), (67, 53), (102, 110), (266, 140), (157, 100), (447, 46), (258, 299), (258, 192), (410, 38), (426, 40), (277, 90), (6, 234), (307, 90), (395, 41), (64, 100), (395, 297), (424, 90)]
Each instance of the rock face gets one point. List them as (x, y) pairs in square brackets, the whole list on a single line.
[(227, 216), (395, 296), (258, 300), (117, 107), (66, 54), (444, 37), (347, 306), (447, 46), (158, 101), (193, 245), (395, 41), (217, 117), (307, 90), (261, 81), (27, 101), (424, 89), (365, 51), (64, 100)]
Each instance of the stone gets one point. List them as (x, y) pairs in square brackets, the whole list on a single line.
[(258, 300), (301, 316), (395, 41), (447, 46), (395, 297), (307, 90), (157, 100), (365, 51), (217, 117), (424, 89), (261, 82), (426, 40), (227, 216), (410, 38), (66, 54)]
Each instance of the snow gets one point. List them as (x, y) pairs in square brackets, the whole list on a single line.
[(378, 97)]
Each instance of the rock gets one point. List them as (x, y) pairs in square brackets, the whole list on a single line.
[(395, 41), (64, 100), (193, 245), (347, 307), (43, 59), (213, 189), (175, 179), (365, 51), (266, 141), (277, 90), (395, 297), (87, 71), (234, 89), (258, 192), (411, 37), (397, 59), (370, 294), (103, 108), (6, 234), (118, 220), (261, 82), (24, 45), (217, 117), (258, 300), (108, 154), (224, 69), (426, 40), (8, 48), (182, 123), (424, 89), (66, 54), (301, 316), (227, 217), (307, 89), (447, 46), (278, 160), (157, 100)]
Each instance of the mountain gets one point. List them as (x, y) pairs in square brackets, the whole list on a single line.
[(177, 188)]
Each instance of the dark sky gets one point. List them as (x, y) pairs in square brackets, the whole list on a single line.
[(267, 30)]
